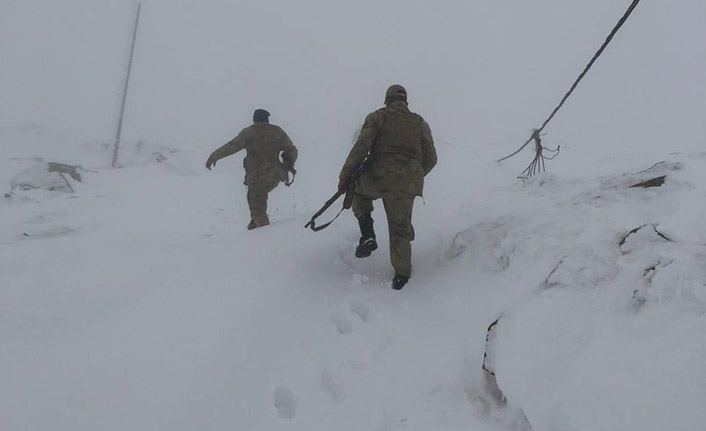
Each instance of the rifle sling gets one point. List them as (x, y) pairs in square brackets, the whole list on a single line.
[(327, 205), (354, 177)]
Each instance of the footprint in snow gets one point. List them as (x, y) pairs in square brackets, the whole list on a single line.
[(285, 402), (333, 385), (383, 346), (392, 421), (343, 324), (361, 310)]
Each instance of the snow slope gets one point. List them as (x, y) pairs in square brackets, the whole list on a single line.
[(141, 302)]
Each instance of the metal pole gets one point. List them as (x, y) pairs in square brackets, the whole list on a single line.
[(127, 83)]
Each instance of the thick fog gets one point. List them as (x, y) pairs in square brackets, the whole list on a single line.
[(482, 73), (136, 299)]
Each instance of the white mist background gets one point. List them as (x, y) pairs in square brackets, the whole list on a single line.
[(482, 73), (142, 302)]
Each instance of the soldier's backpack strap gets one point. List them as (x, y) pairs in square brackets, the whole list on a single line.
[(381, 129), (382, 143)]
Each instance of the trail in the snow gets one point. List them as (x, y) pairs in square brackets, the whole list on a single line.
[(140, 301), (162, 312)]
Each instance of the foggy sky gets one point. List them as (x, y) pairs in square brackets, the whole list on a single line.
[(481, 72)]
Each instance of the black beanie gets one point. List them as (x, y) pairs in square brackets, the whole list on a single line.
[(261, 116)]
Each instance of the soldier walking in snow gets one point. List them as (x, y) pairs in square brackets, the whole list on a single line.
[(399, 150), (263, 143)]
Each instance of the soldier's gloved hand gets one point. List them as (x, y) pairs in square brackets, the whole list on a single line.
[(342, 186), (210, 162)]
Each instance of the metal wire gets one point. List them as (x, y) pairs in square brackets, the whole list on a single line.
[(537, 164)]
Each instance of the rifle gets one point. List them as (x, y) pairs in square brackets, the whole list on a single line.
[(347, 201)]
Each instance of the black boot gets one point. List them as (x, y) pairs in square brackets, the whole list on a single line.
[(367, 243), (252, 225), (399, 281)]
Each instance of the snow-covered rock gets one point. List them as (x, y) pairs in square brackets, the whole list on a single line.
[(49, 176), (597, 343)]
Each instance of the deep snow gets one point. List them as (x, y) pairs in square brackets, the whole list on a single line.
[(141, 302)]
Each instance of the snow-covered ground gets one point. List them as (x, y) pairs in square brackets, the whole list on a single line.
[(137, 300), (141, 302)]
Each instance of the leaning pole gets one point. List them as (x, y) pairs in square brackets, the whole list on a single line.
[(116, 145)]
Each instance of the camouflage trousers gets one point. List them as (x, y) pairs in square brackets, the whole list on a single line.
[(399, 221), (257, 201)]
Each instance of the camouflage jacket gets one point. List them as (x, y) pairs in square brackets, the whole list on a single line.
[(400, 149), (263, 143)]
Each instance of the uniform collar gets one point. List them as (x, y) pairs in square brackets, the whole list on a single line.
[(397, 105)]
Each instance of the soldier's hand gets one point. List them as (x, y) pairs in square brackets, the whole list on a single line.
[(210, 162), (342, 186)]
